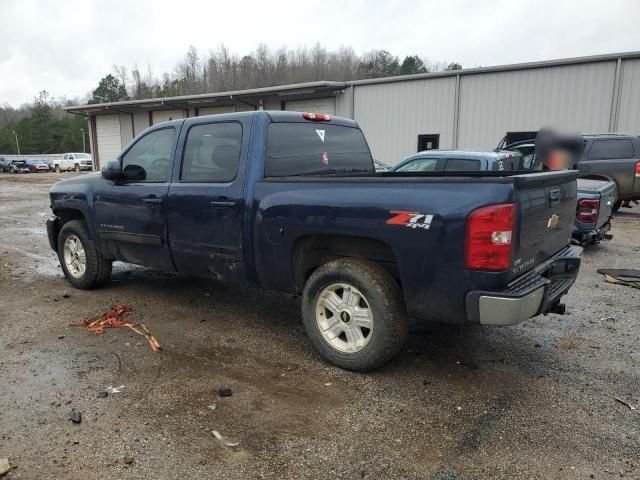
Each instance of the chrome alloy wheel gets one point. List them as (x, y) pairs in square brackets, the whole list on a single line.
[(75, 258), (344, 317)]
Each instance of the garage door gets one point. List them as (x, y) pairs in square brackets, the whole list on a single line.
[(216, 110), (166, 115), (108, 137), (317, 105)]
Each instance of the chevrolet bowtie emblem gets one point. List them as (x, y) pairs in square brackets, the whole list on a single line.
[(553, 221)]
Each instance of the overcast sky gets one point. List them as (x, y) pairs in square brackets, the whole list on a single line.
[(66, 46)]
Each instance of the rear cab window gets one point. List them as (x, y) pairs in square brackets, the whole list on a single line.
[(315, 149), (610, 149)]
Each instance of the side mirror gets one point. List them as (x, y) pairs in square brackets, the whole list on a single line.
[(112, 170)]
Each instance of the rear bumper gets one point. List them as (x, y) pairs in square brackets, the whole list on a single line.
[(538, 291), (586, 237)]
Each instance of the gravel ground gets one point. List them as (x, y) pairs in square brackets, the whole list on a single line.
[(531, 401)]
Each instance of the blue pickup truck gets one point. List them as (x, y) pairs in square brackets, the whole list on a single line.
[(291, 202)]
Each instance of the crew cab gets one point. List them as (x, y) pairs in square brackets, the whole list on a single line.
[(73, 161), (291, 202)]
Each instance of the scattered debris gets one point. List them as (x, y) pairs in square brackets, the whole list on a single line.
[(114, 318), (625, 403), (128, 459), (76, 417), (4, 466), (102, 394), (65, 295), (60, 337), (328, 384), (212, 407), (225, 392), (622, 276), (607, 319), (224, 440), (112, 389)]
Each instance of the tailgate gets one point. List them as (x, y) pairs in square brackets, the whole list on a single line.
[(546, 212), (607, 199)]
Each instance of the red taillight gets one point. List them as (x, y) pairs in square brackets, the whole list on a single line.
[(638, 169), (488, 237), (588, 210), (316, 117)]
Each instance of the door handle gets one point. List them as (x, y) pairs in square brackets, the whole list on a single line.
[(152, 200), (222, 203)]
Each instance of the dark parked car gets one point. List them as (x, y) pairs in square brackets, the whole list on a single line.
[(5, 165), (459, 160), (290, 202), (19, 166), (613, 157), (596, 199)]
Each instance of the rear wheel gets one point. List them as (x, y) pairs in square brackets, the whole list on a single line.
[(354, 314), (57, 168), (77, 167), (617, 205), (81, 262)]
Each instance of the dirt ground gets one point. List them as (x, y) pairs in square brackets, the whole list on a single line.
[(531, 401)]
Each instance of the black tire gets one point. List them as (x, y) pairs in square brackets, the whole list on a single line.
[(617, 205), (77, 168), (98, 269), (57, 169), (390, 321)]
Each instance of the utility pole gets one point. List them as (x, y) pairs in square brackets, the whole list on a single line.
[(83, 149), (17, 143)]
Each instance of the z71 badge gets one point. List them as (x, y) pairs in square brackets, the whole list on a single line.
[(410, 219)]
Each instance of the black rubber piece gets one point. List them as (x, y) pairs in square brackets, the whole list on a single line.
[(391, 323), (98, 270)]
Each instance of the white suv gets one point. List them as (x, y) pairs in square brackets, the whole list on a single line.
[(73, 161)]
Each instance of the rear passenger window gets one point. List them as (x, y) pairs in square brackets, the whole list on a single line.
[(461, 165), (212, 153), (612, 148), (315, 149)]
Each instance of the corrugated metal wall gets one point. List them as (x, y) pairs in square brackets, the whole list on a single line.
[(108, 137), (574, 96), (315, 105), (126, 129), (392, 115), (166, 115), (140, 122), (215, 110), (629, 116)]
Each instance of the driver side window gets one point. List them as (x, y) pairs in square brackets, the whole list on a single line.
[(149, 159)]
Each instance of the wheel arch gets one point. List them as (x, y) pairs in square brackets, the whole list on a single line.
[(65, 215), (311, 251)]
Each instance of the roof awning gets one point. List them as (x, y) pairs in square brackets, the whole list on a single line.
[(251, 97)]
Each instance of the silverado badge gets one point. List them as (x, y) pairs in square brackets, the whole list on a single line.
[(553, 221)]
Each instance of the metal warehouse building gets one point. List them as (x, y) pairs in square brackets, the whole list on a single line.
[(466, 109)]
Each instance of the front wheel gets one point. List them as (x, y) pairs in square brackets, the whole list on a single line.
[(81, 262), (354, 314)]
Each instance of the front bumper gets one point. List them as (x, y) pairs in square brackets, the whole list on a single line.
[(538, 291), (53, 229)]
